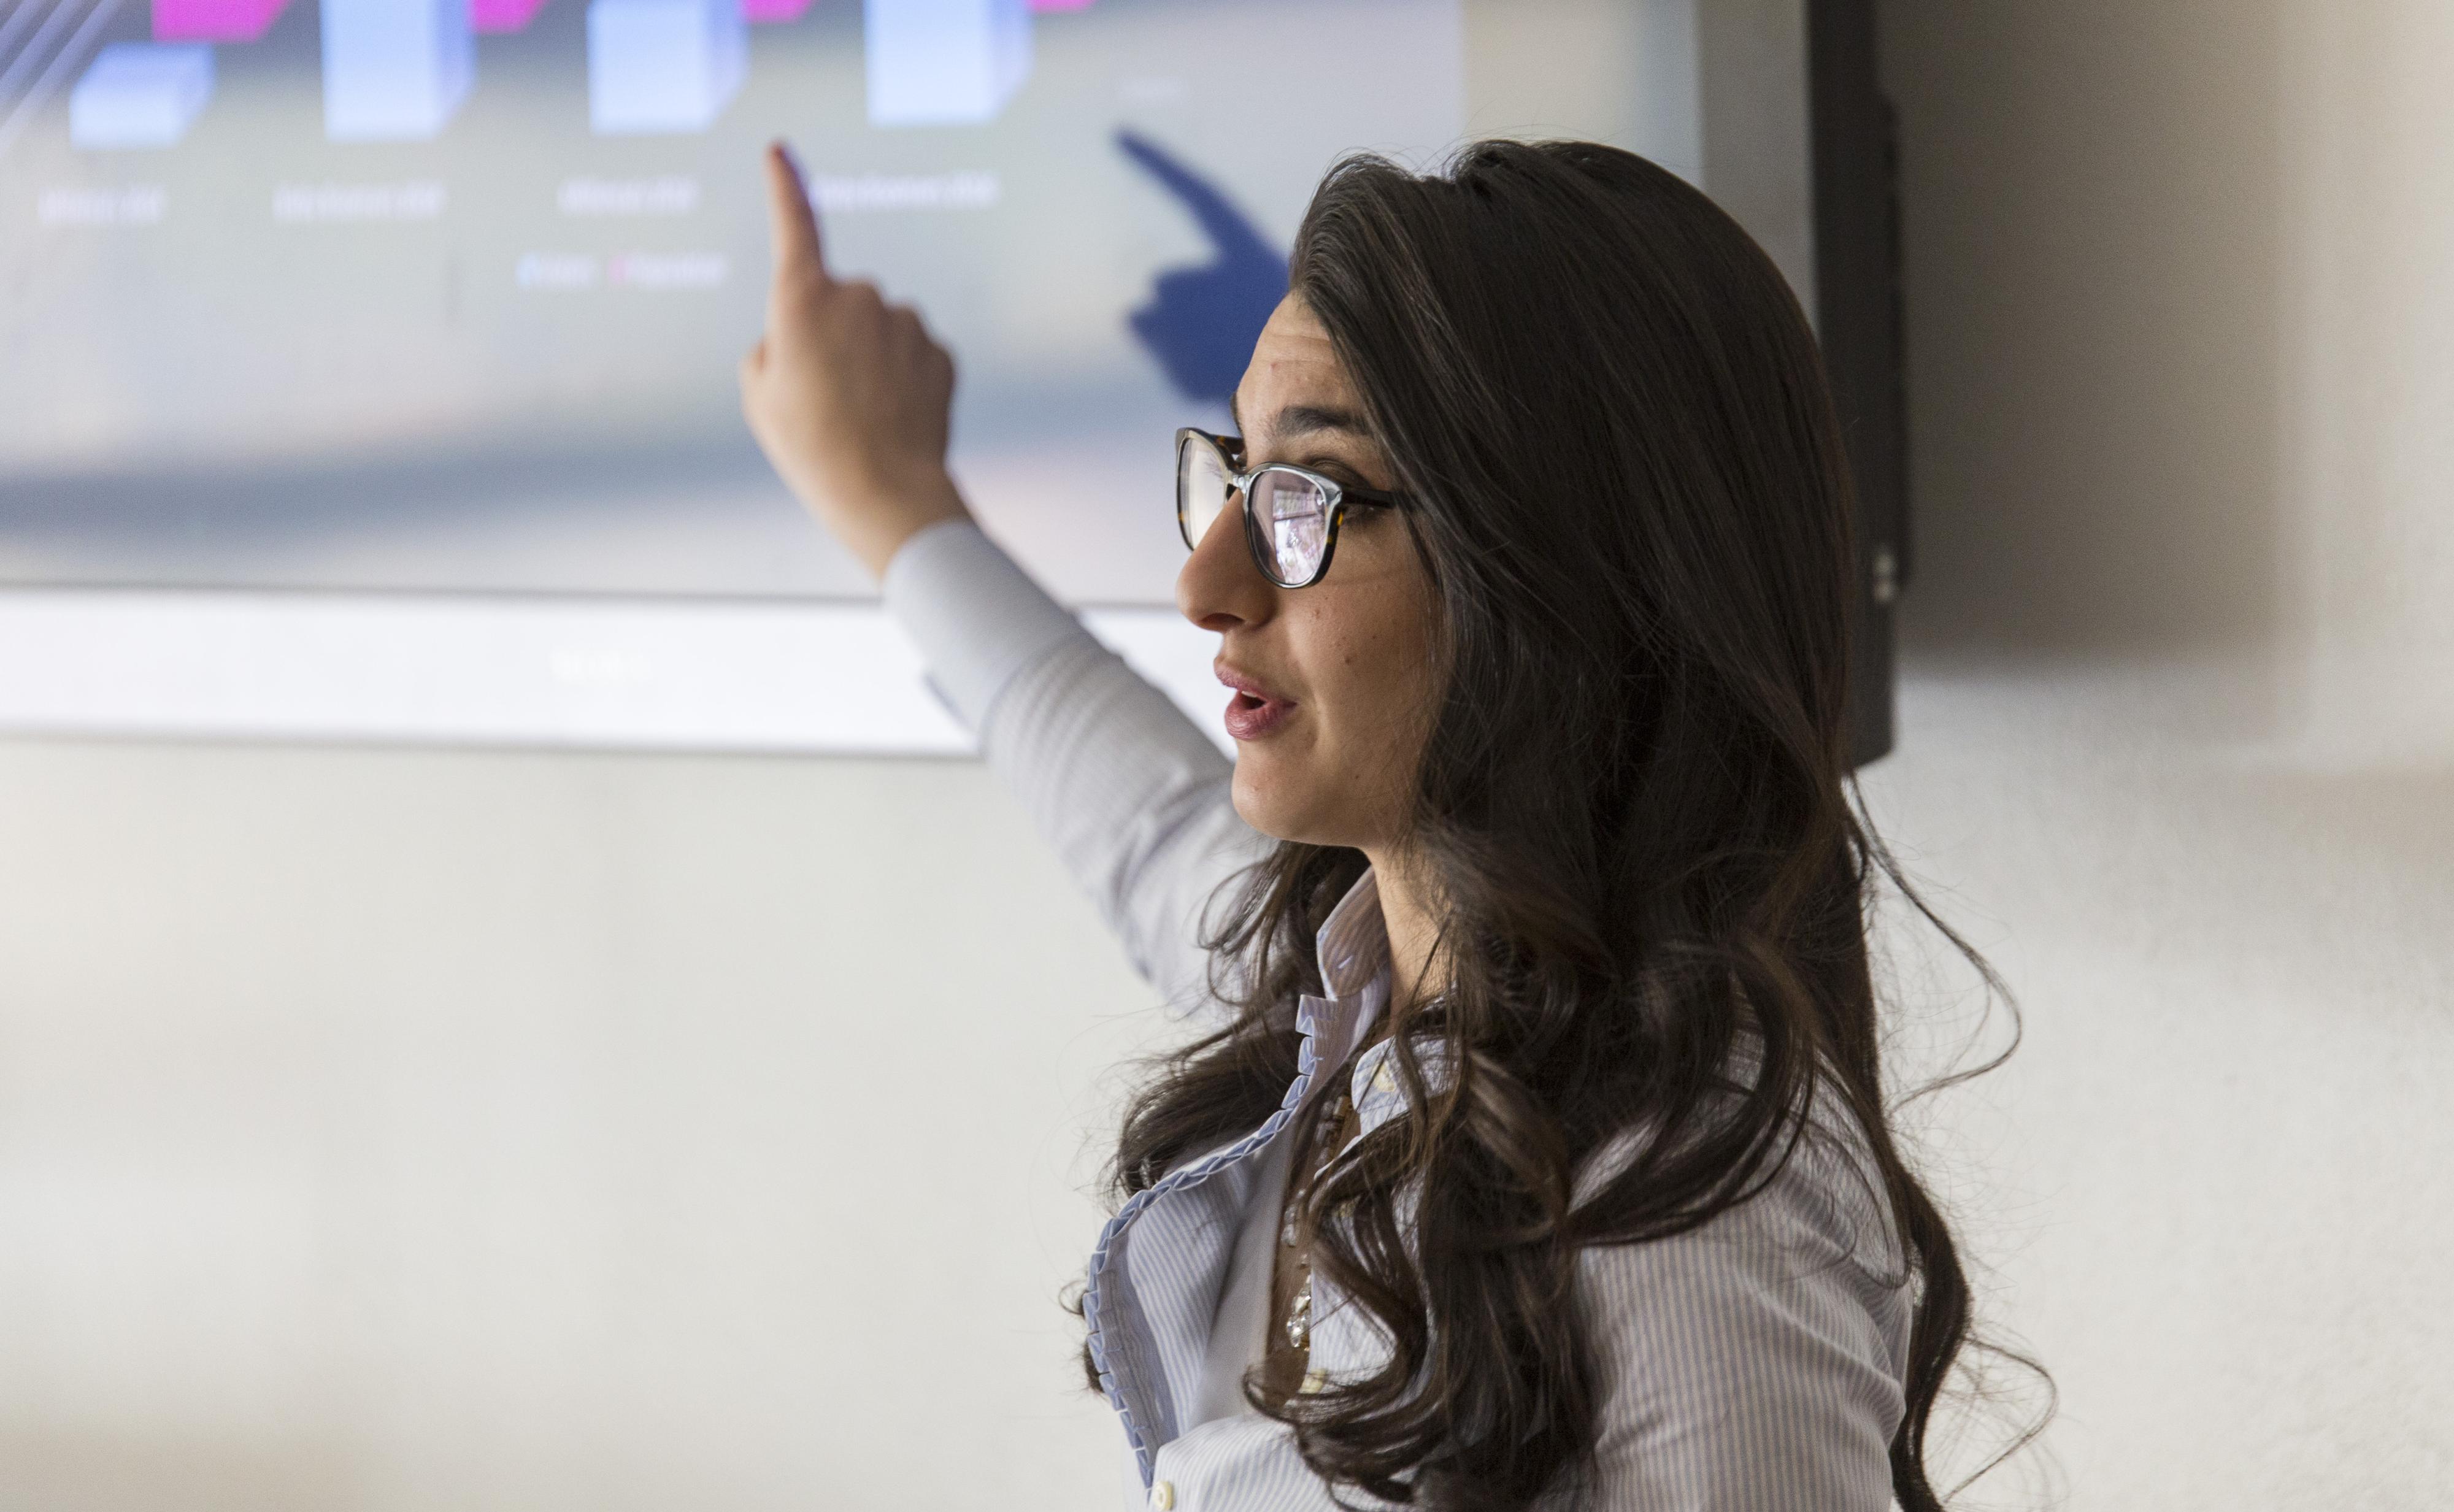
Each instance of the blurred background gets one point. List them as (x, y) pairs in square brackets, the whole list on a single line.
[(399, 1128)]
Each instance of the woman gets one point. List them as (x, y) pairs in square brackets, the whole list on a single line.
[(1536, 1154)]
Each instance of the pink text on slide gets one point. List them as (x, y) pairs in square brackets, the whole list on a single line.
[(214, 20)]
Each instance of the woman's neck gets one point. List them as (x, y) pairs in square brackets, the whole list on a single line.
[(1407, 915)]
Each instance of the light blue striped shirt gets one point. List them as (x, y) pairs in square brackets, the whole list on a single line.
[(1754, 1364)]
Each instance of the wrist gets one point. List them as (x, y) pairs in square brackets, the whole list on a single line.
[(892, 513)]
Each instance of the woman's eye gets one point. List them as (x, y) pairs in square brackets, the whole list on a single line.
[(1345, 477), (1336, 467)]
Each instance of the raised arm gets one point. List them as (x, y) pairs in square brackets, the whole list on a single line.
[(1132, 796), (849, 395)]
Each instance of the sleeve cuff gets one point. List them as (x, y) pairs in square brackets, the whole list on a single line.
[(977, 617)]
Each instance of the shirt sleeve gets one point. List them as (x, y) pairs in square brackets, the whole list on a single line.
[(1742, 1372), (1134, 797)]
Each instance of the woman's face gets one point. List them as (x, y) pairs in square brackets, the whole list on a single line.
[(1333, 683)]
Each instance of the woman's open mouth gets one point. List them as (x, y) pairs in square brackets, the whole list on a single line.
[(1253, 710)]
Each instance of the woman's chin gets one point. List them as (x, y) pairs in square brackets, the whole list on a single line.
[(1262, 798), (1282, 806)]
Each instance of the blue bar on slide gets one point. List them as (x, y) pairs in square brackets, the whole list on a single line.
[(656, 66), (394, 70), (140, 94), (945, 62)]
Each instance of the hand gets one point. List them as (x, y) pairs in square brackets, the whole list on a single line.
[(847, 395)]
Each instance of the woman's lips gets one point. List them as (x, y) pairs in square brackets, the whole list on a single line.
[(1250, 718), (1253, 710)]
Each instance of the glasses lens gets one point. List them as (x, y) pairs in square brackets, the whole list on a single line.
[(1201, 485), (1293, 512)]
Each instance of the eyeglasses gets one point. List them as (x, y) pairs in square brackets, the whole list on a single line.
[(1291, 514)]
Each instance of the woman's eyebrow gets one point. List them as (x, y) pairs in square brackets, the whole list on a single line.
[(1307, 419), (1298, 420)]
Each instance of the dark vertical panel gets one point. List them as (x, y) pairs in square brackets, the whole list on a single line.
[(1858, 314)]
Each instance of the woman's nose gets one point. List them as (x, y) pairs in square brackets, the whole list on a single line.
[(1219, 588)]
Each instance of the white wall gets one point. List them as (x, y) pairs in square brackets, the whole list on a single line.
[(409, 1130), (413, 1130), (2178, 736)]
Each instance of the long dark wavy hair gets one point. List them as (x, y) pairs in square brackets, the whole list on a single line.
[(1632, 807)]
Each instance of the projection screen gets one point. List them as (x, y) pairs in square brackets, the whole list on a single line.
[(369, 363)]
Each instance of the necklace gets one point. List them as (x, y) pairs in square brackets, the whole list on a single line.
[(1297, 1323)]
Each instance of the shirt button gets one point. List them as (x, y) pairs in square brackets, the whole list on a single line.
[(1382, 1082), (1162, 1494)]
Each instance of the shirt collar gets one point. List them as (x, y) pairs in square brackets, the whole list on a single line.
[(1353, 950), (1353, 943)]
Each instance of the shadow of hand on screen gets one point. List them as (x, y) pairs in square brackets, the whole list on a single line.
[(1201, 321)]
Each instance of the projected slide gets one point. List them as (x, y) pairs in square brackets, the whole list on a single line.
[(141, 94), (396, 69), (214, 20), (447, 294), (662, 65)]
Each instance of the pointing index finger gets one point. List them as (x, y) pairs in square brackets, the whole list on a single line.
[(791, 222)]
